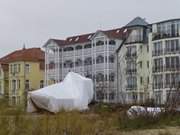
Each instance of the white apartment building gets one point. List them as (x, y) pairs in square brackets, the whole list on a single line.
[(165, 54), (131, 64), (149, 62), (91, 55)]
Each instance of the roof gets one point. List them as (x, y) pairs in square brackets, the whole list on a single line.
[(31, 54), (169, 20), (124, 40), (85, 38), (138, 21)]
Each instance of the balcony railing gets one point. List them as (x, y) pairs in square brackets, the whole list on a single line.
[(131, 71), (172, 68), (158, 69), (131, 56), (157, 53), (172, 85), (158, 86), (131, 87), (167, 51), (157, 36)]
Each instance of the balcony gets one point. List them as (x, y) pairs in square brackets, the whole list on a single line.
[(78, 52), (157, 53), (131, 71), (172, 85), (131, 87), (168, 52), (158, 69), (172, 68), (131, 56), (158, 86), (158, 36)]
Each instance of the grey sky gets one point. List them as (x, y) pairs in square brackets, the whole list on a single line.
[(33, 22)]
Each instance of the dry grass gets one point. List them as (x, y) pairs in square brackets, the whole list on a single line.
[(101, 119)]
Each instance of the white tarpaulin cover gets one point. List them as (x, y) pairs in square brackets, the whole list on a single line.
[(74, 92)]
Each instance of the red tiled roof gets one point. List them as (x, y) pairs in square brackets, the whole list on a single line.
[(31, 54), (114, 33)]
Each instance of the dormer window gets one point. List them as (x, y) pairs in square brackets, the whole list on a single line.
[(117, 31), (125, 30), (77, 39), (89, 36)]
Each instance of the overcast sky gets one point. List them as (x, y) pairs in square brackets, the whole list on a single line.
[(33, 22)]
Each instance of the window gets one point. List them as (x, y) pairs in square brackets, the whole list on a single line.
[(27, 85), (141, 48), (172, 63), (131, 67), (158, 81), (100, 59), (41, 83), (168, 29), (141, 80), (147, 48), (78, 47), (131, 83), (78, 62), (68, 49), (51, 65), (27, 68), (88, 61), (112, 77), (140, 64), (99, 43), (19, 84), (158, 49), (112, 42), (131, 51), (87, 46), (158, 65), (19, 67), (68, 64), (135, 36), (1, 88), (147, 64), (172, 80), (172, 46), (148, 80), (99, 77), (14, 86), (111, 59), (11, 68), (15, 68)]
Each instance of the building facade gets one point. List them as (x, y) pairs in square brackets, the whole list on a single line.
[(4, 82), (165, 53), (24, 72), (133, 63), (149, 62), (91, 55)]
